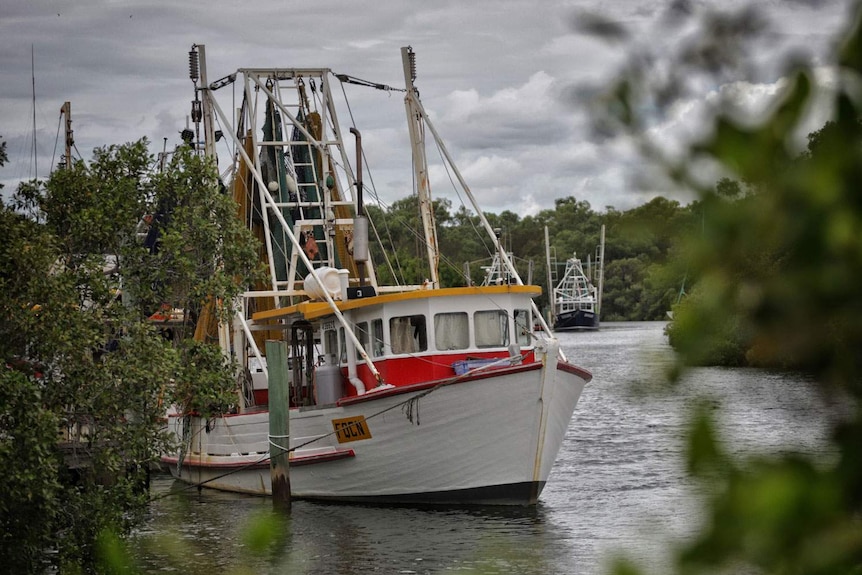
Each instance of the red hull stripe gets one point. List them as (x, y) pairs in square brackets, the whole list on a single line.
[(322, 458), (574, 369), (372, 395), (485, 374), (264, 463)]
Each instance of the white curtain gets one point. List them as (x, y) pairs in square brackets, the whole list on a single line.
[(491, 328), (401, 333), (451, 331), (522, 326)]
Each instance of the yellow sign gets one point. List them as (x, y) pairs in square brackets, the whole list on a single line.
[(351, 429)]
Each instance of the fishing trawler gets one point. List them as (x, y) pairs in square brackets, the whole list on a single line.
[(576, 300), (416, 394)]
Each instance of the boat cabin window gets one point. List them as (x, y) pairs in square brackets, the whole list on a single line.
[(491, 328), (451, 331), (342, 346), (523, 326), (377, 348), (361, 331), (330, 345), (408, 334)]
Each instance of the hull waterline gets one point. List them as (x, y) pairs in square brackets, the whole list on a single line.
[(487, 439)]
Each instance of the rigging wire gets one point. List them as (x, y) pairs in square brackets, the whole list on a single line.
[(380, 203), (419, 236), (33, 76), (347, 79), (461, 199), (80, 157), (56, 140)]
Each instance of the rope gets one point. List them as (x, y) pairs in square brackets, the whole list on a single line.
[(407, 409), (274, 444), (216, 478)]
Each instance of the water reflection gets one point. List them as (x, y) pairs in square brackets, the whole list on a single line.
[(348, 539)]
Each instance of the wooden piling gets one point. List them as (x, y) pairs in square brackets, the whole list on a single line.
[(279, 422)]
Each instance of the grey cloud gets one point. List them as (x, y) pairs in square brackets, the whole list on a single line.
[(127, 77)]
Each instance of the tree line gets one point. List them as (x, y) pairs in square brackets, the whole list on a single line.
[(640, 243)]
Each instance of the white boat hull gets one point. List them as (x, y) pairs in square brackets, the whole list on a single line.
[(489, 438)]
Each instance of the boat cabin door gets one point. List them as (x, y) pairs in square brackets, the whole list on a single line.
[(301, 364)]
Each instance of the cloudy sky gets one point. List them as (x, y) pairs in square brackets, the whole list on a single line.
[(497, 76)]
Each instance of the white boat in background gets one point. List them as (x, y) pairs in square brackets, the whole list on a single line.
[(398, 394), (576, 299)]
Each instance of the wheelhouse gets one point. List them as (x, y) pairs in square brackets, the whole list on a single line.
[(421, 335)]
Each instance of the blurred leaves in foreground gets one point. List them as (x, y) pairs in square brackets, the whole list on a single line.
[(778, 268), (262, 536)]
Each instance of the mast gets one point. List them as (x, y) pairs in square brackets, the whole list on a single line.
[(413, 99), (601, 263), (33, 78), (551, 303), (264, 87), (202, 112), (420, 164), (66, 110), (201, 108)]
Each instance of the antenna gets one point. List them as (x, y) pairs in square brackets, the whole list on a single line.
[(66, 110), (194, 65), (412, 56), (33, 76)]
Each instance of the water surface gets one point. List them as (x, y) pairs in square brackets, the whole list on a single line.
[(618, 484)]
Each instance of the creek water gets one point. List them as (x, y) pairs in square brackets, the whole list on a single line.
[(618, 487)]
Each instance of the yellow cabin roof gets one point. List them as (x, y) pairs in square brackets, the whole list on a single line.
[(316, 309)]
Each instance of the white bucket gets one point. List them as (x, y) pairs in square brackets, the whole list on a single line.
[(321, 279), (328, 384)]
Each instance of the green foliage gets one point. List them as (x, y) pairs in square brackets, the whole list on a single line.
[(774, 514), (113, 555), (778, 262), (95, 209), (639, 243), (29, 483), (202, 383), (203, 252), (264, 531), (786, 254), (724, 340), (83, 363)]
